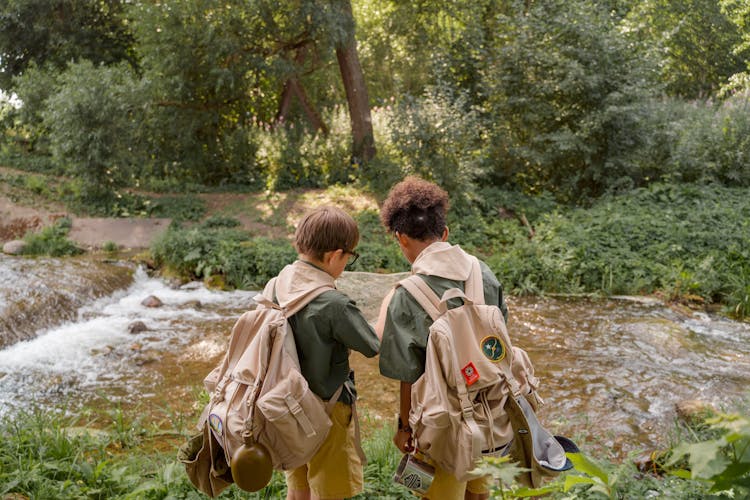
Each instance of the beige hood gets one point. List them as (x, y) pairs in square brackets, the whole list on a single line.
[(296, 281), (444, 260)]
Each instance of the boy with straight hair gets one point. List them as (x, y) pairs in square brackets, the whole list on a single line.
[(415, 213), (324, 331)]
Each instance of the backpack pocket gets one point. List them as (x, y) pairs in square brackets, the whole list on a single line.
[(204, 463), (437, 436), (296, 422)]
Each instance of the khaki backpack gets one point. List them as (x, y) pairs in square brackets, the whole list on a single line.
[(477, 396), (258, 394)]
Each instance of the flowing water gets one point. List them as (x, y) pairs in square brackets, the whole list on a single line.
[(611, 370)]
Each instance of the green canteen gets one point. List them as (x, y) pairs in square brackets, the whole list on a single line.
[(251, 467)]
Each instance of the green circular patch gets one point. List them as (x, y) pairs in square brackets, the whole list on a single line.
[(493, 348)]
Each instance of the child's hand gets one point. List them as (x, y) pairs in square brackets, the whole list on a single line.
[(403, 440)]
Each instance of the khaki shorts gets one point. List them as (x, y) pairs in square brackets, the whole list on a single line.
[(336, 469), (446, 486)]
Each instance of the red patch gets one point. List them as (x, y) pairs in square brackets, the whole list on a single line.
[(470, 373)]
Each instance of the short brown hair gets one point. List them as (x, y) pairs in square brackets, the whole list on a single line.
[(417, 208), (325, 229)]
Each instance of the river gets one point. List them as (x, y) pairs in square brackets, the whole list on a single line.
[(611, 370)]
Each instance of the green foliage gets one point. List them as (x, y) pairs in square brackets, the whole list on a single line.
[(91, 127), (378, 250), (43, 455), (293, 156), (681, 239), (438, 137), (52, 241), (179, 208), (713, 142), (54, 32), (213, 248), (110, 247), (564, 94), (217, 221), (34, 87), (696, 46), (722, 462), (252, 263)]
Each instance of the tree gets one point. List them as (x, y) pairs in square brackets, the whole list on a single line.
[(217, 69), (565, 96), (363, 141), (55, 32), (693, 42)]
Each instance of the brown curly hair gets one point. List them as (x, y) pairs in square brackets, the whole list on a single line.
[(417, 208)]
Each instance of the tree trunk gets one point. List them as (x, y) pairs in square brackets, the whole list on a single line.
[(293, 87), (363, 141)]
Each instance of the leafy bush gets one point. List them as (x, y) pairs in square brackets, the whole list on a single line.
[(439, 137), (684, 240), (723, 462), (209, 249), (193, 252), (34, 87), (564, 99), (378, 250), (178, 208), (252, 263), (91, 126), (713, 142), (52, 241)]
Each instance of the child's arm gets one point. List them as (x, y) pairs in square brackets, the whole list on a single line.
[(352, 329)]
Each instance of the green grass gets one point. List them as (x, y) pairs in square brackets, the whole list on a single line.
[(117, 455)]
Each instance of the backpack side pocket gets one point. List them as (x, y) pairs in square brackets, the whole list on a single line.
[(295, 422)]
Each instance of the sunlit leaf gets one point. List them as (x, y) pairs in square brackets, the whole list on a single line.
[(583, 464)]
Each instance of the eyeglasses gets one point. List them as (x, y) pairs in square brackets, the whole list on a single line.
[(353, 254)]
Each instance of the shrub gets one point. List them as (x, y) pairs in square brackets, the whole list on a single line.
[(684, 240), (250, 264), (438, 137), (206, 250), (179, 208), (91, 126), (377, 249), (565, 93), (52, 241), (713, 143)]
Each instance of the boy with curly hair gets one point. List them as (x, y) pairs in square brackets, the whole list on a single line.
[(415, 212)]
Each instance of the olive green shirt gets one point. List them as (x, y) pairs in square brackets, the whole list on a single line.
[(404, 343), (324, 331)]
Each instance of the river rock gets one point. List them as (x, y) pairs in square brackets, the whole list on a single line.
[(152, 301), (694, 410), (137, 327), (192, 304), (14, 247)]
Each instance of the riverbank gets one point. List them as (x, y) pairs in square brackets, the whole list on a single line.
[(25, 207)]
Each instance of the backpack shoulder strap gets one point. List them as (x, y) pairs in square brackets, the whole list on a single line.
[(423, 294)]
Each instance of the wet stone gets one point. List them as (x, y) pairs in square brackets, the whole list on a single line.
[(152, 301), (137, 327), (14, 247), (192, 304), (694, 410)]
